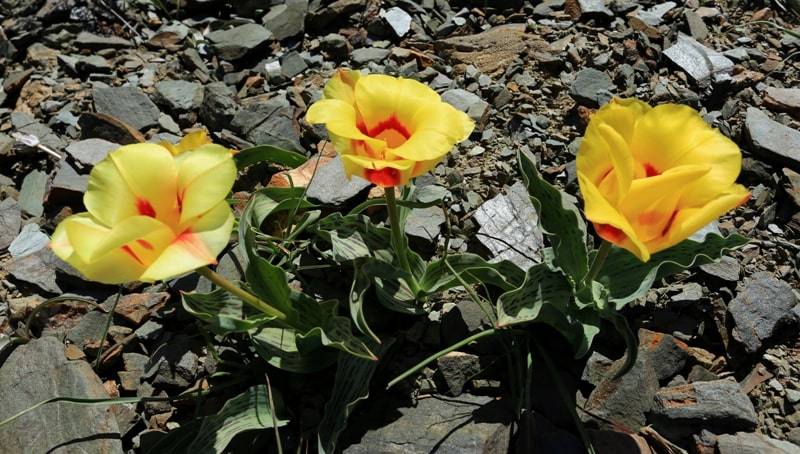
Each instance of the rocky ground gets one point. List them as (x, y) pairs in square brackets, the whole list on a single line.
[(719, 356)]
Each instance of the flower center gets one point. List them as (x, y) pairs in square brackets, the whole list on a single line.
[(391, 131)]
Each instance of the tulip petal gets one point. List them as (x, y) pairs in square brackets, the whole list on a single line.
[(341, 86), (196, 247), (381, 173), (599, 211), (106, 255), (205, 177), (679, 136), (378, 97), (689, 220), (134, 180), (189, 142)]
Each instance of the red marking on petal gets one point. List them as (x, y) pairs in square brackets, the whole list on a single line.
[(649, 218), (386, 177), (650, 171), (391, 124), (144, 208), (191, 243), (145, 244), (669, 223), (127, 249), (610, 233)]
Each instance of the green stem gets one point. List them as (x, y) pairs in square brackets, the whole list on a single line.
[(240, 293), (438, 354), (597, 264), (398, 244)]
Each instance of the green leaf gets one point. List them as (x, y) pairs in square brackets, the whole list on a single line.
[(473, 269), (313, 318), (560, 220), (354, 236), (223, 312), (353, 376), (269, 283), (627, 278), (267, 153), (250, 410), (278, 347), (546, 296)]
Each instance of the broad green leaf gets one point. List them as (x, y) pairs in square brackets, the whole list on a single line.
[(560, 221), (267, 153), (473, 269), (353, 376), (269, 283), (627, 278), (546, 296), (250, 410), (223, 312), (354, 236), (314, 318), (278, 347)]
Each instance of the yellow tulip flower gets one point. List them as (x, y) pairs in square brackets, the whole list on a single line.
[(652, 176), (387, 129), (150, 215)]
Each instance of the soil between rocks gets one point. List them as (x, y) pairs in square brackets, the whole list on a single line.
[(530, 74)]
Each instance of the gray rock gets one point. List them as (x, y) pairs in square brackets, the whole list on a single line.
[(727, 269), (37, 371), (68, 185), (697, 28), (782, 98), (179, 95), (626, 399), (331, 186), (29, 240), (593, 8), (90, 41), (666, 354), (461, 99), (27, 124), (771, 139), (286, 20), (364, 55), (174, 365), (509, 227), (219, 106), (399, 20), (703, 64), (334, 46), (756, 443), (653, 16), (719, 406), (425, 224), (37, 269), (445, 426), (32, 192), (10, 221), (87, 153), (91, 64), (456, 369), (589, 83), (126, 104), (292, 64), (762, 306), (88, 332), (235, 43), (269, 122)]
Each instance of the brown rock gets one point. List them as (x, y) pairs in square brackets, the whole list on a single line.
[(493, 50), (102, 126)]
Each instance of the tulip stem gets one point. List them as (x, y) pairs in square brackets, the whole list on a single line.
[(398, 244), (597, 264), (240, 293)]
